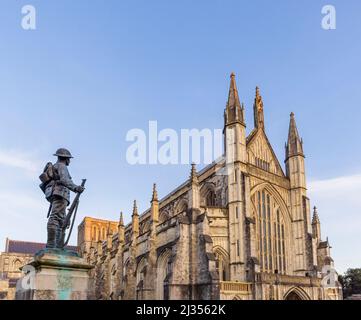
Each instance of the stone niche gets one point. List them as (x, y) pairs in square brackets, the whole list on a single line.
[(55, 275)]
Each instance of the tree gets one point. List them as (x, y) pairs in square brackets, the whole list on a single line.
[(351, 282)]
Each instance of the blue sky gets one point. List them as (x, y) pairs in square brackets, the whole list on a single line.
[(92, 70)]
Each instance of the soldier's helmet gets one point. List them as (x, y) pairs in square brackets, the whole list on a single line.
[(64, 153)]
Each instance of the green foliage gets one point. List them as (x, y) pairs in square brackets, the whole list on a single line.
[(351, 282)]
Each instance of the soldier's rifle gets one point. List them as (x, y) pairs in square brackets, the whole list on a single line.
[(72, 212)]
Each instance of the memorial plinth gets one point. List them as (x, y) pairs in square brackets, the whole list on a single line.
[(55, 275)]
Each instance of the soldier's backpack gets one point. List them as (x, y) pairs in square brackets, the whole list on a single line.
[(47, 176)]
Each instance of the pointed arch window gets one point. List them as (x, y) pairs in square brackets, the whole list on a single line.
[(140, 277), (270, 234), (211, 199), (17, 265), (222, 265), (182, 207), (164, 269), (164, 216)]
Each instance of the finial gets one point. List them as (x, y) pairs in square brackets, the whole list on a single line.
[(121, 221), (155, 193), (294, 142), (193, 176), (315, 218), (258, 110), (258, 97), (233, 112), (135, 209), (233, 86)]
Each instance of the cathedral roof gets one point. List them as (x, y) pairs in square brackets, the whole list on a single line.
[(214, 166), (27, 247)]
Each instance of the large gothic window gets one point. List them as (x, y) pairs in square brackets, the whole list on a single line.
[(270, 233)]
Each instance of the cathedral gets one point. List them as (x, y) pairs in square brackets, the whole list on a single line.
[(239, 229)]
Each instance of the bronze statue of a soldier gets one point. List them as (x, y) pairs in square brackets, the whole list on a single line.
[(57, 185)]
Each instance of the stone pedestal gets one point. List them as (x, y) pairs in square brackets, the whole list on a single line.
[(55, 275)]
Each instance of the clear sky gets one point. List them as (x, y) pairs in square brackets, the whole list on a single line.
[(92, 70)]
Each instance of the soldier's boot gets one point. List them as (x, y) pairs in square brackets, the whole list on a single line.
[(59, 242), (51, 243)]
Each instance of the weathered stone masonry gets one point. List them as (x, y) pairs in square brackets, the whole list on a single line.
[(239, 229)]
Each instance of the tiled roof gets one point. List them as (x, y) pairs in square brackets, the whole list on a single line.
[(26, 247)]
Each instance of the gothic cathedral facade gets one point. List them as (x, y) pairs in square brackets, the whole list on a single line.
[(241, 228)]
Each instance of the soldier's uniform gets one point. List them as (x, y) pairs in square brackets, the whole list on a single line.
[(58, 193)]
